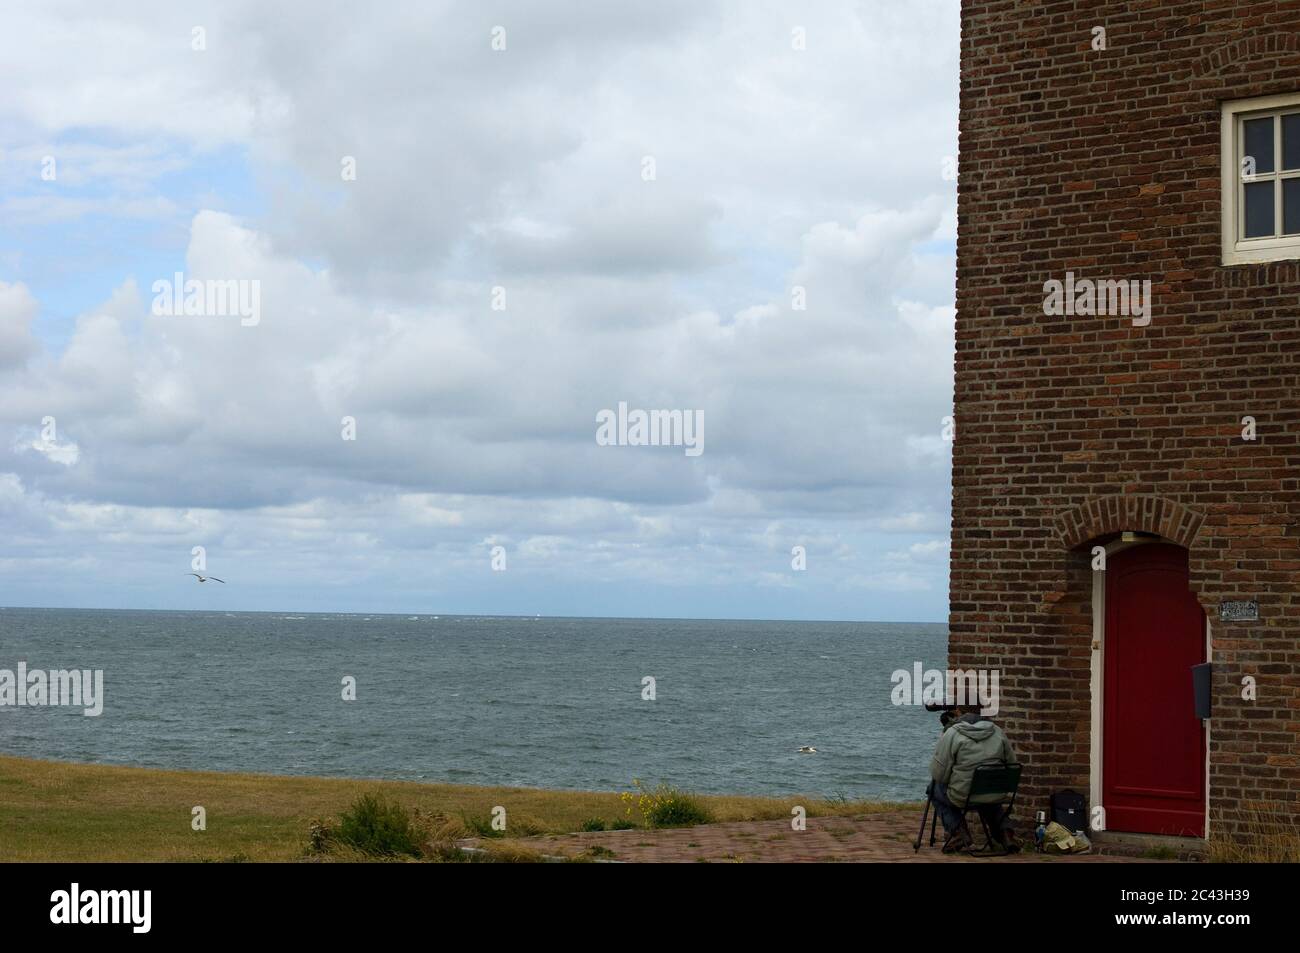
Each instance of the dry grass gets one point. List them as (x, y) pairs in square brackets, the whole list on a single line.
[(55, 811), (1268, 836)]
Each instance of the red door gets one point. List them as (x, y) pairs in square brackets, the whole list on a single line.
[(1153, 745)]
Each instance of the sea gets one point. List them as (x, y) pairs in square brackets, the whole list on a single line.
[(535, 702)]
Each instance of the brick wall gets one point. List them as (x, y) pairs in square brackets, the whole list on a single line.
[(1070, 429)]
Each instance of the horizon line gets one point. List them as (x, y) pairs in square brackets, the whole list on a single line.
[(480, 615)]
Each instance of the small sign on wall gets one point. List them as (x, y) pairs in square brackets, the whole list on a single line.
[(1239, 611)]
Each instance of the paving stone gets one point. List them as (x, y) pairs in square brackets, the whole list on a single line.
[(884, 837)]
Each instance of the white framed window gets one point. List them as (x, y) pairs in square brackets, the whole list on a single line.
[(1261, 179)]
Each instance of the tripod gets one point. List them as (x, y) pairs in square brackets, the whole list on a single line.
[(925, 815)]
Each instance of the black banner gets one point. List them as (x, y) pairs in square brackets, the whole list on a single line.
[(139, 902)]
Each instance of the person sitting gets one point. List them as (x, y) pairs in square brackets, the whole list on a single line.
[(969, 741)]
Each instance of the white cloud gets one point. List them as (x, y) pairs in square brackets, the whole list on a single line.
[(65, 453)]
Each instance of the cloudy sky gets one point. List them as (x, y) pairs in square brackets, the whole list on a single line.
[(733, 209)]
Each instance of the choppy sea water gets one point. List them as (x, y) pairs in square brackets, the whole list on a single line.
[(486, 700)]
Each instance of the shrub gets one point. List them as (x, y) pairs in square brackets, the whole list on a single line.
[(1160, 853), (319, 837), (666, 806), (375, 826), (1266, 835), (517, 825), (480, 825), (593, 824), (506, 852)]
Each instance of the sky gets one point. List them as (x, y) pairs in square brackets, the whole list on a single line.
[(470, 229)]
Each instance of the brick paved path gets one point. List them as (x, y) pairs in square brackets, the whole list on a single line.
[(866, 838)]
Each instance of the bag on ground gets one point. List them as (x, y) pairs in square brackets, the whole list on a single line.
[(1057, 840)]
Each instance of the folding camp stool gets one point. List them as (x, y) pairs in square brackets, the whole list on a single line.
[(997, 780)]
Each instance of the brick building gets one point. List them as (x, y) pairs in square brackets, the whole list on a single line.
[(1100, 143)]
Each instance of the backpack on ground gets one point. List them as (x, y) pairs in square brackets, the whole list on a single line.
[(1070, 810)]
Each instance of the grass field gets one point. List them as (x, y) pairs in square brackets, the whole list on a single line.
[(55, 811)]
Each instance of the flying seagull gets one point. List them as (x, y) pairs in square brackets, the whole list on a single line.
[(205, 578)]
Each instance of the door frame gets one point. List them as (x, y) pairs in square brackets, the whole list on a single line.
[(1098, 674)]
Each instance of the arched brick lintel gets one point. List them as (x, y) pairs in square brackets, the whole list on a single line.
[(1244, 50), (1105, 515)]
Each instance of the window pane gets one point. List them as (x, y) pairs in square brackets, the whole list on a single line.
[(1291, 141), (1259, 143), (1259, 210), (1291, 206)]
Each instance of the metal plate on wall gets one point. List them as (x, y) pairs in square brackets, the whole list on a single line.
[(1239, 611)]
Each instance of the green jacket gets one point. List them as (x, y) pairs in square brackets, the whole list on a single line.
[(970, 742)]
